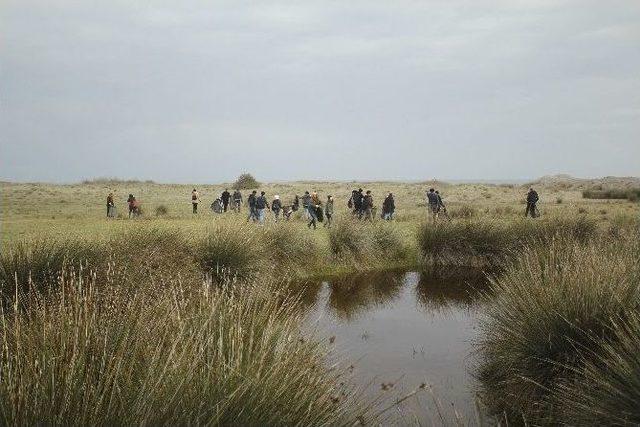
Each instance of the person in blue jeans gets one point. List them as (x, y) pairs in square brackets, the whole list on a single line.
[(261, 206)]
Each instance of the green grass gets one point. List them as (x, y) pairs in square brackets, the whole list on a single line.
[(550, 314)]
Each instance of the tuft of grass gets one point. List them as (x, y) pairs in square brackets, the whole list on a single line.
[(559, 200), (389, 242), (544, 316), (289, 246), (464, 212), (187, 355), (607, 391), (162, 210), (42, 262), (348, 238), (230, 251)]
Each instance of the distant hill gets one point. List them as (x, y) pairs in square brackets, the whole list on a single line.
[(570, 182)]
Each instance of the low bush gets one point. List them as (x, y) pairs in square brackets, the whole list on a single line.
[(464, 212), (549, 315), (246, 181)]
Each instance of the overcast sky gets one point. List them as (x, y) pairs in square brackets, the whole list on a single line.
[(199, 91)]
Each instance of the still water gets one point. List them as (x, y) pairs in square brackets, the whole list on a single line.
[(397, 331)]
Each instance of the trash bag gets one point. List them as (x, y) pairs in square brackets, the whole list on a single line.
[(217, 206)]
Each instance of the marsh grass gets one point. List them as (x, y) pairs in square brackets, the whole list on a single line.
[(493, 243), (549, 315), (615, 193), (191, 354), (348, 239), (229, 251), (607, 390)]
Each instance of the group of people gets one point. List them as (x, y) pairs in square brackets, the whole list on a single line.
[(361, 203)]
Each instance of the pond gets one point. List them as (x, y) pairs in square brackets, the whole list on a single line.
[(399, 330)]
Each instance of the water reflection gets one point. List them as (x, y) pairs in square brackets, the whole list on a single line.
[(404, 328), (459, 289), (357, 294)]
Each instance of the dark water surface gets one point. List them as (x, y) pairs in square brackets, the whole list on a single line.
[(400, 330)]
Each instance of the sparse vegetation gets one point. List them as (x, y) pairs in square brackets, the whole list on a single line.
[(162, 210), (629, 194)]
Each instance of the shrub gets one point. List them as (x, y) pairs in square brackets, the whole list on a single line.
[(162, 210), (545, 315), (183, 356), (559, 200), (246, 181)]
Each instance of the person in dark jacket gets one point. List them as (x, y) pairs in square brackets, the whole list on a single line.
[(261, 206), (251, 201), (328, 211), (532, 200), (367, 206), (276, 207), (225, 196), (237, 200), (388, 207), (433, 204), (314, 204), (358, 203), (296, 204), (110, 206), (306, 204)]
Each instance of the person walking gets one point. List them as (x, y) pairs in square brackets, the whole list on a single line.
[(314, 204), (225, 196), (131, 204), (261, 206), (442, 209), (532, 200), (306, 205), (433, 204), (328, 211), (111, 206), (358, 203), (367, 206), (251, 201), (388, 207), (276, 207), (237, 200), (195, 199)]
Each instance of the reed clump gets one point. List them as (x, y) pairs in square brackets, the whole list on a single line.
[(191, 354), (551, 314), (489, 242)]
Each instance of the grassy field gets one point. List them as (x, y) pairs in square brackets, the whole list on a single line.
[(195, 319), (34, 211)]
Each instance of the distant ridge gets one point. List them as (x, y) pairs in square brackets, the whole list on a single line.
[(568, 181)]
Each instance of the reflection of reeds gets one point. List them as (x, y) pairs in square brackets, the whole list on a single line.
[(354, 294), (459, 288)]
